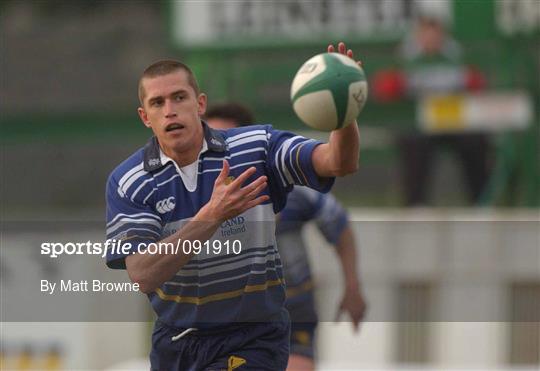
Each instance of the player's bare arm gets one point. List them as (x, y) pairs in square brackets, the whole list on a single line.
[(228, 200), (339, 156), (352, 302)]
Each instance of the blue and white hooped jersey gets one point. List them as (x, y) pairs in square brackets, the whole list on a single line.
[(305, 205), (147, 200)]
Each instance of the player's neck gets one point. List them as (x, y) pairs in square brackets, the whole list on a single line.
[(188, 156)]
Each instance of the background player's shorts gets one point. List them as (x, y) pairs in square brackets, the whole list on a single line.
[(253, 346), (302, 338)]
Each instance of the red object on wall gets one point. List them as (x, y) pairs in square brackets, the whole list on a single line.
[(474, 80), (388, 85)]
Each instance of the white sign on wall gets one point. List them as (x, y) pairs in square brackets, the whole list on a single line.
[(244, 22), (518, 16)]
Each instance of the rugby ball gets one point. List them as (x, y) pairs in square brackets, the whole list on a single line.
[(329, 91)]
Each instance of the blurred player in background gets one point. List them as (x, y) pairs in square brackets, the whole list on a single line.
[(304, 205), (432, 64), (192, 183)]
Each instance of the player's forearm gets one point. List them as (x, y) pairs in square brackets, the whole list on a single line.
[(346, 250), (151, 270), (346, 148), (339, 156)]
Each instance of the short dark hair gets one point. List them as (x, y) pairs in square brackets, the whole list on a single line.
[(164, 67), (430, 21), (236, 112)]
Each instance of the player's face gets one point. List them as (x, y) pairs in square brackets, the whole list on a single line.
[(172, 109), (431, 37), (221, 124)]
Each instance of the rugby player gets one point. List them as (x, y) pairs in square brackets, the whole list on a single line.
[(215, 309)]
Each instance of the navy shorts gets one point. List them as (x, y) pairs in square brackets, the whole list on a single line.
[(248, 346), (303, 324), (303, 339)]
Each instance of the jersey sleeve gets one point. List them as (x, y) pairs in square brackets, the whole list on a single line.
[(289, 159), (128, 221), (331, 218)]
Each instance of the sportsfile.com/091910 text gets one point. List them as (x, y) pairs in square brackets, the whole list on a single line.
[(188, 247)]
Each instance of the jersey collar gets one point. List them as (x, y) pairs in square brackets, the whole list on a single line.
[(152, 153), (166, 159)]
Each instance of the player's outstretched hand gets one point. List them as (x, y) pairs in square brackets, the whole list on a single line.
[(354, 304), (342, 49), (231, 197)]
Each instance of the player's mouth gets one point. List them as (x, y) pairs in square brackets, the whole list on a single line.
[(174, 127)]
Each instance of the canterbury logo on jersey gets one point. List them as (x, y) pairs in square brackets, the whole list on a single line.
[(165, 205)]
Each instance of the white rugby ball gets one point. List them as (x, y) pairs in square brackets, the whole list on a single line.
[(329, 91)]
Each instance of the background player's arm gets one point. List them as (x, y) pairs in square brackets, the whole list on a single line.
[(334, 224), (353, 301), (151, 270), (339, 156)]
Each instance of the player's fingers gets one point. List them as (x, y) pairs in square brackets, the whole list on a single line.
[(354, 317), (359, 315), (256, 191), (223, 173), (341, 47), (237, 183), (257, 201), (331, 48), (364, 312), (360, 64), (251, 187)]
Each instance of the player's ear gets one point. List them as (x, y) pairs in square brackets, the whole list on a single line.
[(144, 117), (201, 102)]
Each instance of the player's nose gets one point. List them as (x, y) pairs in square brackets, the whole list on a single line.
[(169, 109)]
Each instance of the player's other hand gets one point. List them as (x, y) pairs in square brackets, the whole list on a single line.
[(342, 49), (354, 304), (231, 197)]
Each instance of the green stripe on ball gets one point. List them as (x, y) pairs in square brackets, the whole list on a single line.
[(337, 77)]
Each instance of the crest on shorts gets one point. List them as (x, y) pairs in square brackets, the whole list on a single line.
[(235, 362)]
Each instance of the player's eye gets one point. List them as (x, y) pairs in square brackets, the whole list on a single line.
[(156, 102), (179, 97)]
